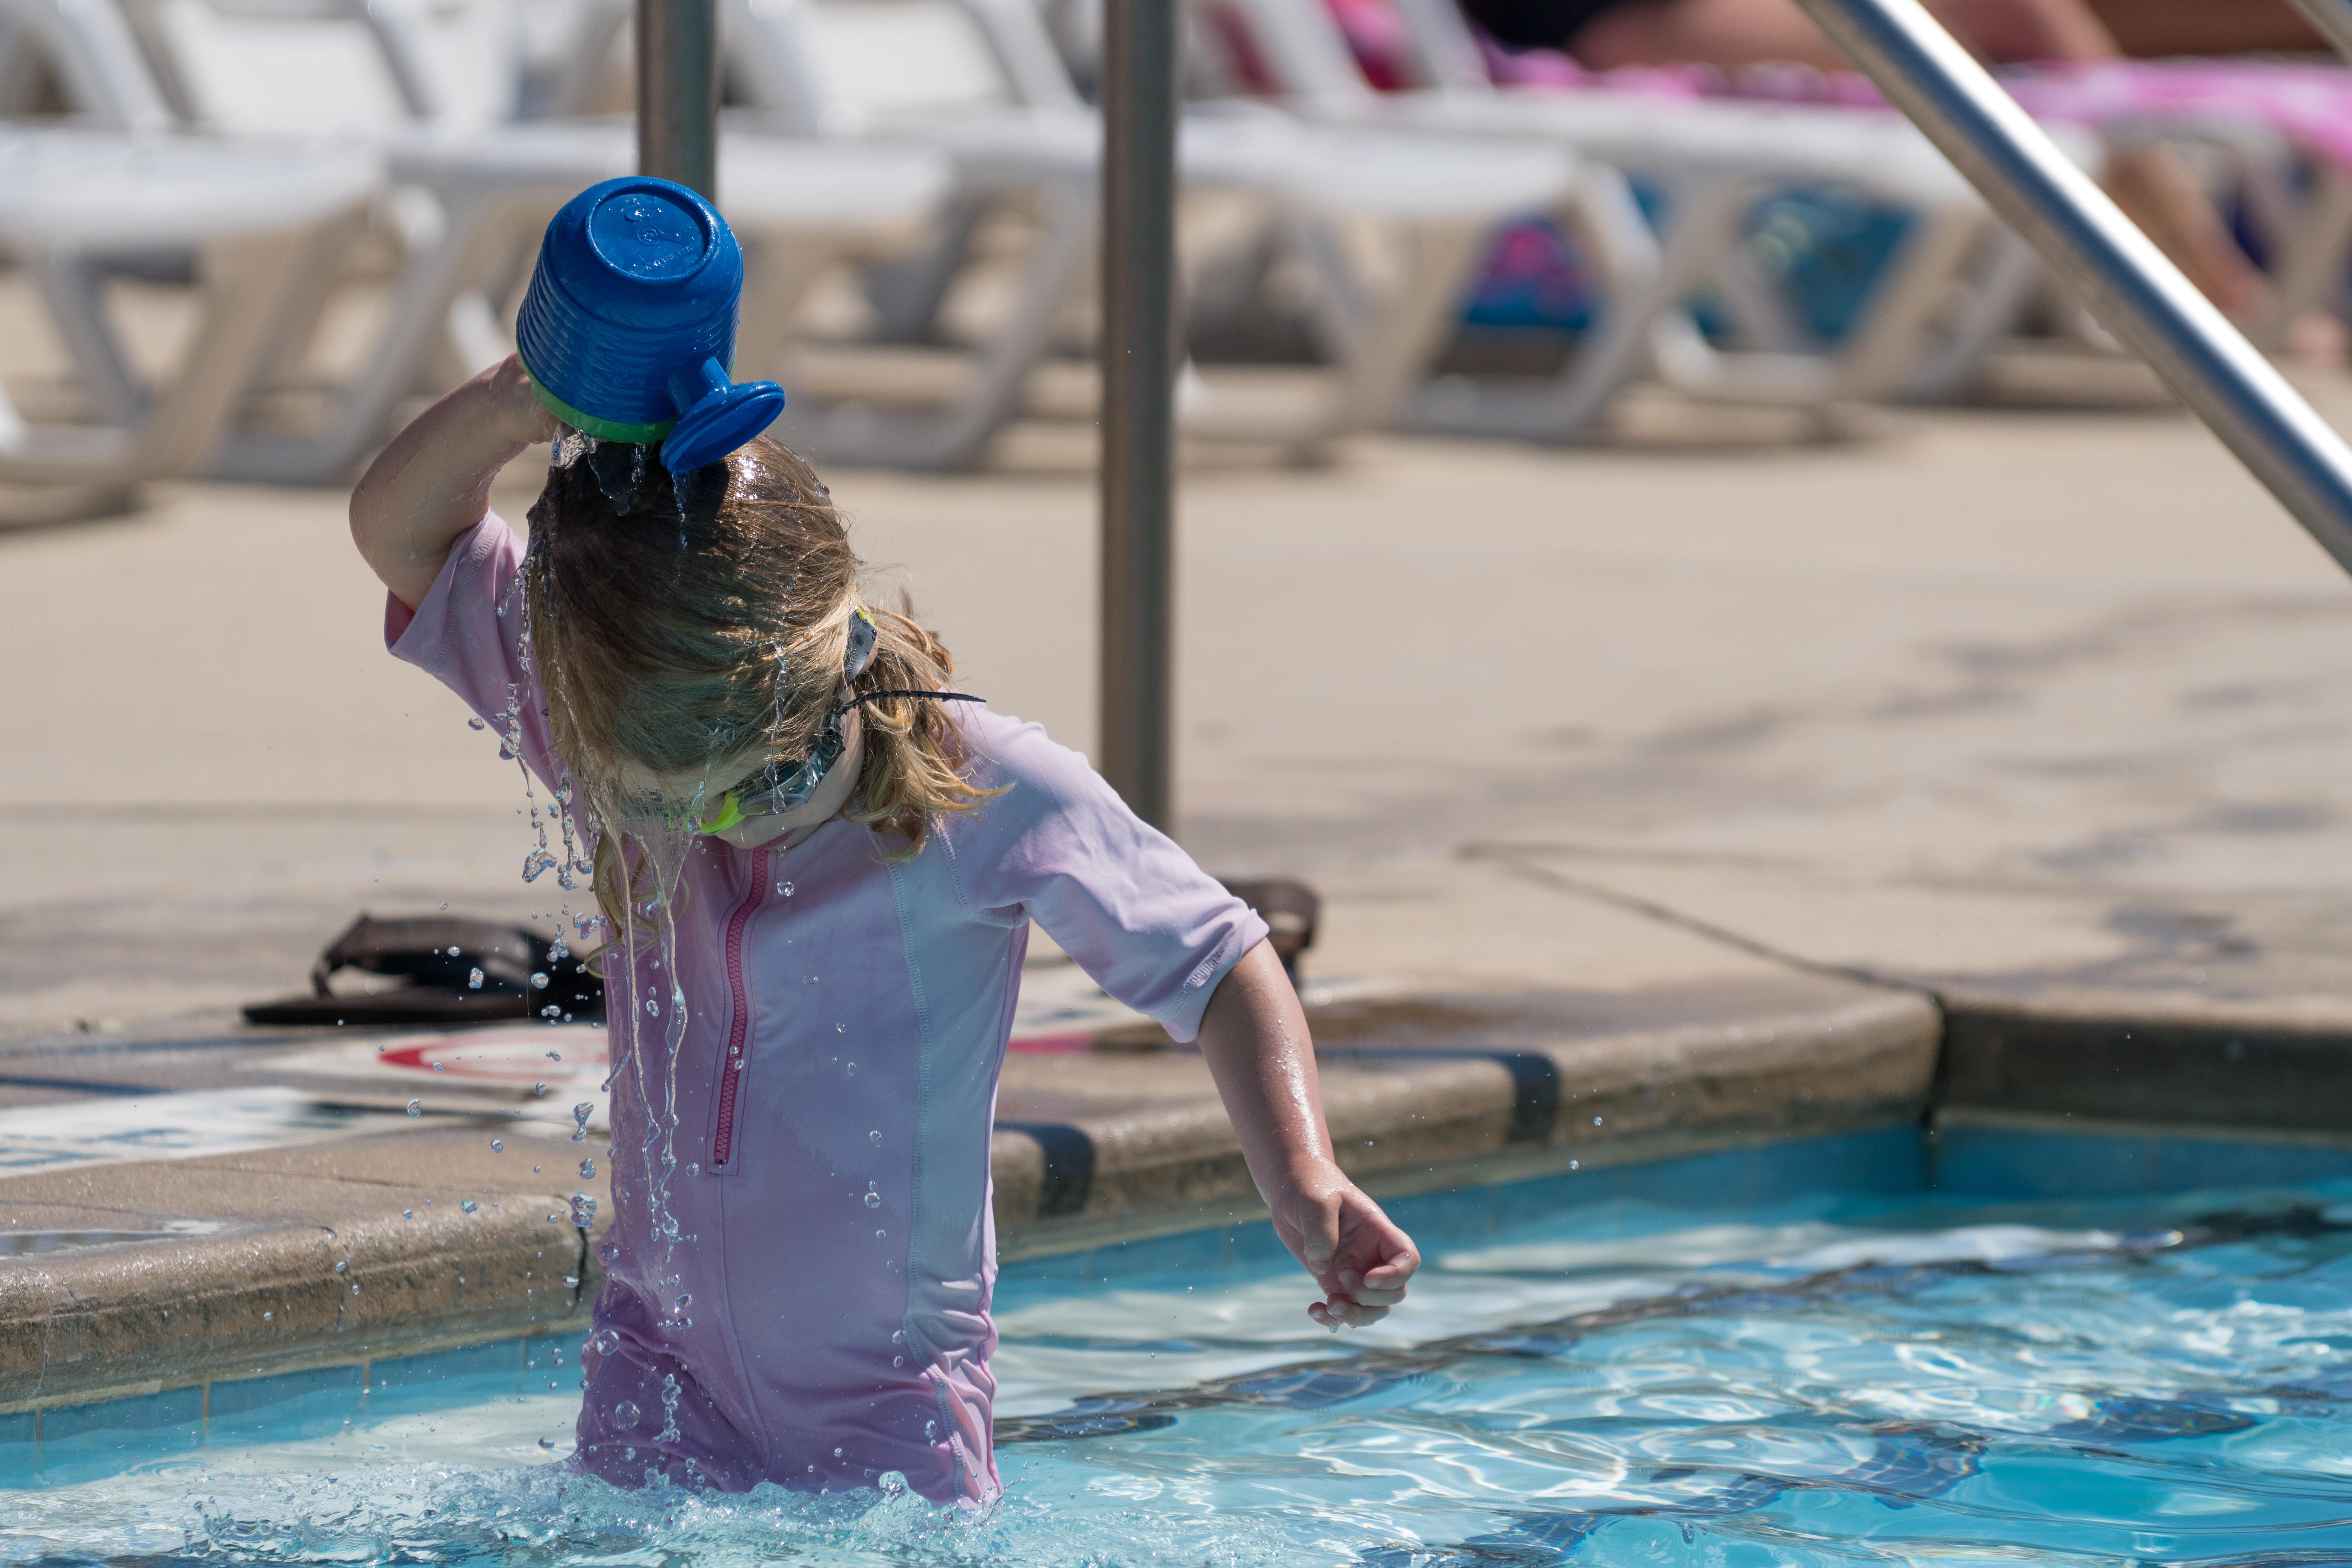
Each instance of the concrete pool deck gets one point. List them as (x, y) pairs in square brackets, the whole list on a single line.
[(1718, 786)]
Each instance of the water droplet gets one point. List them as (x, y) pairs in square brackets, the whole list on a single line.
[(571, 1283), (408, 1214), (548, 1443), (587, 1170), (625, 1413), (607, 1250), (555, 1055), (438, 1068), (551, 1011), (652, 1008), (539, 980), (583, 1209), (474, 981), (810, 981), (875, 1136), (841, 1028), (1596, 1121), (476, 723), (873, 1199), (879, 1235), (539, 1088), (836, 1453), (535, 865), (415, 1108), (931, 1430), (685, 1300), (497, 1146), (898, 1361), (468, 1204), (342, 1265), (849, 1069), (267, 1316), (785, 889)]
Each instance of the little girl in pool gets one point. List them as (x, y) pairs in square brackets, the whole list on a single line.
[(802, 1255)]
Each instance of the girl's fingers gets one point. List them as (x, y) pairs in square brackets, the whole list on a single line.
[(1373, 1296), (1389, 1277), (1339, 1312)]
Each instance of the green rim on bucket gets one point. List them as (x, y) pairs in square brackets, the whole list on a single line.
[(603, 429)]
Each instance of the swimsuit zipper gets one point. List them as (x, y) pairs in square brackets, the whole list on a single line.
[(730, 1066)]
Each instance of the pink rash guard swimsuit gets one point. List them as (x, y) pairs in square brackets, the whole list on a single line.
[(838, 1327)]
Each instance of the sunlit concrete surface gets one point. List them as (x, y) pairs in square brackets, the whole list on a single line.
[(1991, 698)]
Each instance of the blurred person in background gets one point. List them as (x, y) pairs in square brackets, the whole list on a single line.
[(2149, 184)]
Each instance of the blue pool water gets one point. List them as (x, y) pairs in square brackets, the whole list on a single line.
[(1709, 1363)]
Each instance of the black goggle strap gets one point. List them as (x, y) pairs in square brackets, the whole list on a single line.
[(864, 698), (863, 634)]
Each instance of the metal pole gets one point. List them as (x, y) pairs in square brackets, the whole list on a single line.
[(678, 92), (1139, 428), (2141, 297), (2334, 20)]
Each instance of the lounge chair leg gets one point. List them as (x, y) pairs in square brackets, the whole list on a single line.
[(74, 292)]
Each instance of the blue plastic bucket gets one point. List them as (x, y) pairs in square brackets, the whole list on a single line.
[(628, 328)]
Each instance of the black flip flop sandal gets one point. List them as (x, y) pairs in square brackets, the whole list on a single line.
[(440, 956)]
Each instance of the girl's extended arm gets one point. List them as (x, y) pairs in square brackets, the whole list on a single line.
[(433, 483), (1254, 1037)]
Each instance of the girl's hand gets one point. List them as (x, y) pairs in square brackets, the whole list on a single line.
[(1359, 1259), (523, 419)]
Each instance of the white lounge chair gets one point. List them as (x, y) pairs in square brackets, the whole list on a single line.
[(979, 80), (1953, 286), (469, 195), (96, 57), (259, 221), (798, 209)]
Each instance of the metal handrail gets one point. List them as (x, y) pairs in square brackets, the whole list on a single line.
[(2334, 20), (2141, 297)]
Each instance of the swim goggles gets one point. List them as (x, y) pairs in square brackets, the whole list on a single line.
[(786, 783)]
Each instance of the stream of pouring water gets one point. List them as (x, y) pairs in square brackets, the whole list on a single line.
[(650, 1015)]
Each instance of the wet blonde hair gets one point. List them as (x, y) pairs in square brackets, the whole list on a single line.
[(684, 628)]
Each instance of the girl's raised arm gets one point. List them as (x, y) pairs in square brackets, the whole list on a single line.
[(1255, 1037), (433, 482)]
